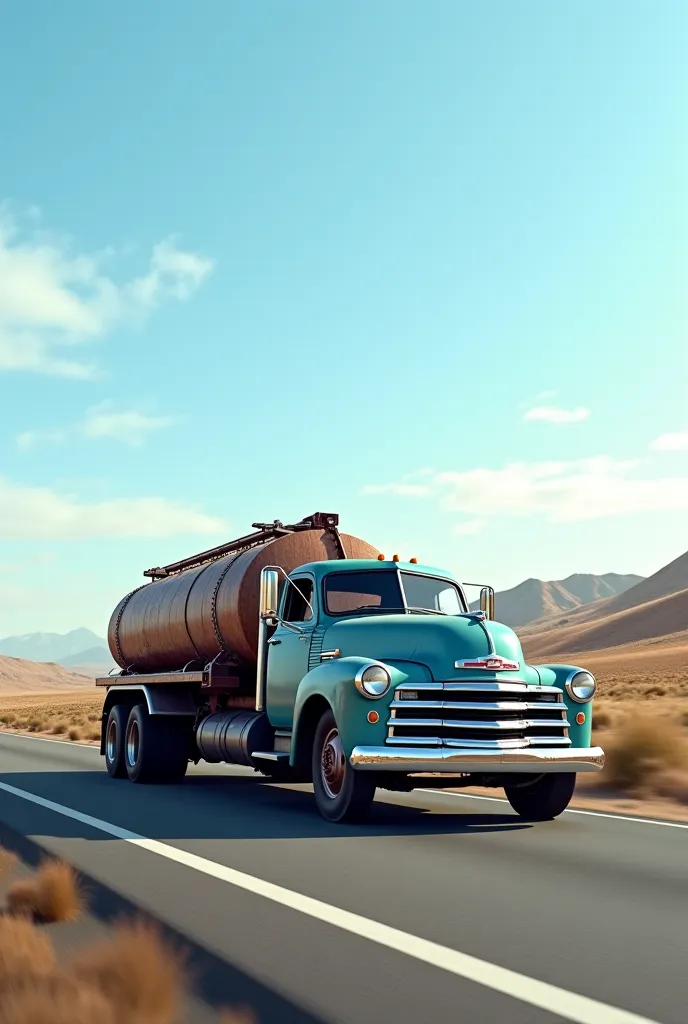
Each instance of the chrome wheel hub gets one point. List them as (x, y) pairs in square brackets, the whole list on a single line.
[(332, 764), (111, 742), (133, 740)]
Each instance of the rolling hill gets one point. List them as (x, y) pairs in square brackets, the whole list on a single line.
[(534, 599), (18, 675)]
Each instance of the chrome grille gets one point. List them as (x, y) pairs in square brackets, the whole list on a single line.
[(475, 713)]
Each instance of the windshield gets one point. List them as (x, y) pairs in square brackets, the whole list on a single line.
[(348, 593), (429, 592)]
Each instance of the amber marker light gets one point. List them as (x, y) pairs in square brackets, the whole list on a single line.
[(580, 718), (395, 558), (373, 717), (413, 561), (380, 558)]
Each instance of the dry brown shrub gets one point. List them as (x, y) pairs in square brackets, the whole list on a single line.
[(55, 999), (74, 732), (137, 972), (21, 723), (642, 750), (59, 728), (53, 894), (238, 1015), (24, 952), (37, 724), (93, 732), (7, 860), (601, 719), (8, 718), (673, 785)]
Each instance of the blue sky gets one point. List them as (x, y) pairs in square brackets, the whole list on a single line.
[(420, 264)]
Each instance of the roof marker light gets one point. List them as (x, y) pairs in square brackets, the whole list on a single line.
[(413, 561), (380, 558), (395, 558)]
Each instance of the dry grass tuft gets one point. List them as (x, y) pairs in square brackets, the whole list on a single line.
[(238, 1015), (642, 750), (24, 952), (74, 732), (8, 718), (7, 861), (56, 999), (59, 728), (93, 732), (53, 894), (137, 972), (37, 725)]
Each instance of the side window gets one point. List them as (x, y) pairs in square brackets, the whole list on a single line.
[(299, 594)]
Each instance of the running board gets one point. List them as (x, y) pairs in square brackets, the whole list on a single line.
[(271, 755)]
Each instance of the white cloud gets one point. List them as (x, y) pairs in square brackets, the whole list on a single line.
[(670, 443), (53, 302), (127, 425), (592, 488), (40, 513), (552, 414)]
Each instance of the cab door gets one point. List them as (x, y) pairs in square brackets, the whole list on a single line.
[(289, 649)]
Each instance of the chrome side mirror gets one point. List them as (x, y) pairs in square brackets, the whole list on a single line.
[(269, 593), (487, 602)]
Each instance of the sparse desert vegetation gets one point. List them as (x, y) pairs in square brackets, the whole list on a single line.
[(132, 976), (72, 715)]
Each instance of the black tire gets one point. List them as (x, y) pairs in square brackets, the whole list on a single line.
[(341, 793), (156, 747), (544, 799), (115, 728)]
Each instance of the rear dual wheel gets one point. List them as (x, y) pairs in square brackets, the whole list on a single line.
[(145, 747)]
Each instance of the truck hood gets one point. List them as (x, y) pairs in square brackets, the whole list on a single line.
[(436, 641)]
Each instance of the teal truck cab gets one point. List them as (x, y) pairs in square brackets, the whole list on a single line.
[(369, 673)]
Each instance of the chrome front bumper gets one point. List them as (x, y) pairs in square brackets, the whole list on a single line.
[(451, 761)]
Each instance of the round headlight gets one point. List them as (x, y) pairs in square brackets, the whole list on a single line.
[(581, 687), (373, 681)]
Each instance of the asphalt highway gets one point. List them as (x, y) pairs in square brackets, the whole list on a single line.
[(439, 909)]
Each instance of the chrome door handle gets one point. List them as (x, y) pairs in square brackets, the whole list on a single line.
[(273, 641), (304, 638)]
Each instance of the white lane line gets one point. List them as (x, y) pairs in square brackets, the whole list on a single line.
[(570, 810), (558, 1001)]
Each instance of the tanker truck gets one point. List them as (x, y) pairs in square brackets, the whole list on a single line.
[(307, 655)]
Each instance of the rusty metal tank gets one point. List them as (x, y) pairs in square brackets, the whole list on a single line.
[(195, 613)]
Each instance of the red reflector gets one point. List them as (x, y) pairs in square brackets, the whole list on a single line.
[(373, 717), (580, 718)]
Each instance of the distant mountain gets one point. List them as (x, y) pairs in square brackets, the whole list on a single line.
[(653, 612), (534, 599), (96, 661), (52, 646)]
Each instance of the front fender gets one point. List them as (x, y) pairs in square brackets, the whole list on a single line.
[(556, 675), (333, 681)]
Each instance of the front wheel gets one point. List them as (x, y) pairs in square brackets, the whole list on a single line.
[(156, 747), (544, 799), (341, 793)]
